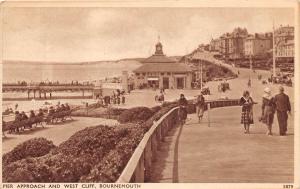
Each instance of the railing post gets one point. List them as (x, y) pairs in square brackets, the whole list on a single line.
[(153, 146), (159, 133), (140, 171), (148, 160)]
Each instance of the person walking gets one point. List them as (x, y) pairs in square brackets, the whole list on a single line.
[(123, 99), (283, 107), (182, 113), (249, 82), (268, 110), (200, 105), (247, 113)]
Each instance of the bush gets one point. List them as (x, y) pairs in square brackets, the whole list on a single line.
[(167, 107), (27, 170), (136, 114), (112, 165), (156, 108), (108, 113), (35, 147), (75, 158)]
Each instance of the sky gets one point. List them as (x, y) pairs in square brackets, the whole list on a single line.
[(94, 34)]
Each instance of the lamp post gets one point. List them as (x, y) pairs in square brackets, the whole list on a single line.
[(274, 53)]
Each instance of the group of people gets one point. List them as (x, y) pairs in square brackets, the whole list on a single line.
[(279, 104), (59, 108), (199, 103), (114, 99)]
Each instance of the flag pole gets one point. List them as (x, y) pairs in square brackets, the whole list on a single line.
[(274, 53)]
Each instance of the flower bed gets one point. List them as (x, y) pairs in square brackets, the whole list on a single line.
[(135, 115), (73, 160), (35, 147), (94, 154), (107, 113)]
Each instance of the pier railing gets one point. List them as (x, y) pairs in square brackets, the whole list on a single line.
[(138, 168)]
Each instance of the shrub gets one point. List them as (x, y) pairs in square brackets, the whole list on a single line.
[(156, 108), (27, 170), (108, 113), (135, 115), (76, 157), (35, 147), (111, 166)]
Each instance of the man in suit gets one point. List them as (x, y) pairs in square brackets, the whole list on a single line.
[(283, 107)]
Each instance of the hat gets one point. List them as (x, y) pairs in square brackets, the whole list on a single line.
[(267, 90)]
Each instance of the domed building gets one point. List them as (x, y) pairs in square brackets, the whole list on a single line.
[(160, 71)]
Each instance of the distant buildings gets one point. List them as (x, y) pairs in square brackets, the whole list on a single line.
[(236, 43), (240, 45), (224, 45), (159, 71), (215, 45), (284, 41), (258, 45)]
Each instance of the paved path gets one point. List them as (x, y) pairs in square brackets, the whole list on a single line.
[(56, 133), (223, 153)]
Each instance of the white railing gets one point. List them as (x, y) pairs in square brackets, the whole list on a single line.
[(138, 168)]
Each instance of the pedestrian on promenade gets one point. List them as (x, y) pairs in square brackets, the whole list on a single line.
[(247, 112), (268, 109), (283, 107), (118, 100), (200, 105), (182, 113), (123, 99), (249, 82)]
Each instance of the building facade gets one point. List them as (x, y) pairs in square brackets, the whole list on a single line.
[(284, 41), (224, 45), (258, 45), (285, 49), (159, 71), (236, 43), (215, 45)]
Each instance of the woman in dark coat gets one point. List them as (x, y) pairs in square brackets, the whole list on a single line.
[(183, 107), (247, 113), (268, 110)]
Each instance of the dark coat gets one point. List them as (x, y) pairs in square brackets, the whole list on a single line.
[(282, 102), (200, 102), (183, 102)]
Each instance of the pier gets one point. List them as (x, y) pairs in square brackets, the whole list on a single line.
[(41, 91)]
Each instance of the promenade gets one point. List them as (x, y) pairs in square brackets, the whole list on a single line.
[(222, 153), (57, 133)]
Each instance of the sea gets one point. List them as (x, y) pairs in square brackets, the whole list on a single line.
[(36, 72), (63, 73)]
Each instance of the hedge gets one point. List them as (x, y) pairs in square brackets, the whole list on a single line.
[(35, 147), (135, 114)]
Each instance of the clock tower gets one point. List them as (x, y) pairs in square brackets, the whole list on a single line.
[(158, 49)]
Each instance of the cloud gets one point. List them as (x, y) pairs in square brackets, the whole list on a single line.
[(89, 34)]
